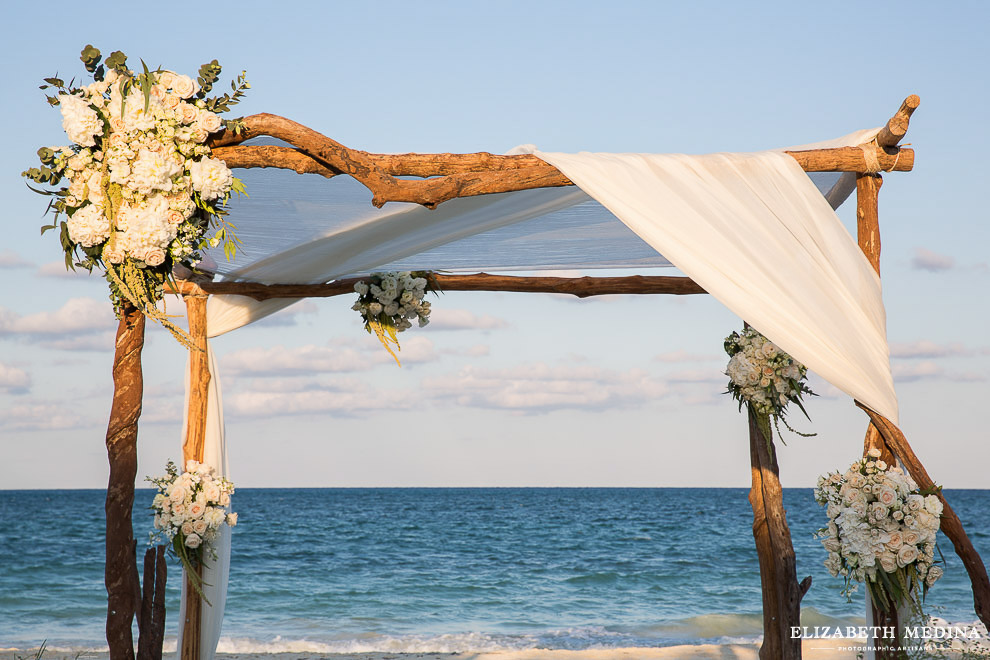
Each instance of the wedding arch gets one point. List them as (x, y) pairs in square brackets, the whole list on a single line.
[(708, 215)]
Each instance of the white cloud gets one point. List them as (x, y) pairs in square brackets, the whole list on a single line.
[(684, 356), (341, 356), (101, 342), (478, 350), (462, 319), (41, 417), (280, 360), (926, 349), (931, 261), (70, 327), (714, 376), (540, 388), (290, 315), (283, 397), (58, 269), (13, 380), (907, 373), (10, 259)]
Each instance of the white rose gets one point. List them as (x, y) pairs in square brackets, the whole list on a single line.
[(888, 561), (154, 256), (933, 505), (193, 541), (183, 86), (199, 526), (906, 555), (934, 573), (887, 495), (187, 528), (895, 541), (232, 519), (208, 121)]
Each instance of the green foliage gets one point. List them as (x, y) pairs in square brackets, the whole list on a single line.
[(208, 74), (222, 103), (117, 61)]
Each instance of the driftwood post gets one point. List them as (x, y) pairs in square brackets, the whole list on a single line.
[(120, 572), (868, 236), (778, 567), (192, 450)]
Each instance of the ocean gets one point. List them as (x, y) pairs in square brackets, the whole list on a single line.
[(451, 569)]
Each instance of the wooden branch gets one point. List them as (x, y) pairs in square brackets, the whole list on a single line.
[(868, 217), (271, 156), (152, 620), (192, 450), (897, 125), (120, 572), (454, 175), (192, 626), (951, 525), (581, 287), (778, 566)]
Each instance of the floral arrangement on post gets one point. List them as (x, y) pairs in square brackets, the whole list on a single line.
[(881, 531), (189, 510), (765, 379), (143, 192), (389, 301)]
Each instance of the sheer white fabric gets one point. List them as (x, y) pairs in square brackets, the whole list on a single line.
[(752, 229), (754, 232)]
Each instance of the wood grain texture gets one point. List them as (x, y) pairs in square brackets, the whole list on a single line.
[(152, 620), (450, 175), (120, 571), (581, 287), (951, 525), (778, 567), (192, 450), (897, 126)]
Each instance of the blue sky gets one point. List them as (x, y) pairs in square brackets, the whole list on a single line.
[(639, 403)]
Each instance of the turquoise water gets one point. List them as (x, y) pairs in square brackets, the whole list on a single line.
[(324, 570)]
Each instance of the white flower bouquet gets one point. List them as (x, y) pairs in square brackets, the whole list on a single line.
[(389, 301), (881, 531), (190, 508), (142, 191), (764, 378)]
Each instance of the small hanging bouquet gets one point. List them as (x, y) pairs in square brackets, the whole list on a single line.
[(389, 301), (138, 188), (190, 509), (765, 379), (881, 531)]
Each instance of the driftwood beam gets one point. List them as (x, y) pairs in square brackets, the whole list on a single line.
[(458, 175), (260, 156), (581, 287), (951, 525), (896, 128)]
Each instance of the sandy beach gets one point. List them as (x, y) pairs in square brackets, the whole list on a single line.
[(813, 650)]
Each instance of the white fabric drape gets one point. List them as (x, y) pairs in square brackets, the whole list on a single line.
[(755, 233), (752, 229)]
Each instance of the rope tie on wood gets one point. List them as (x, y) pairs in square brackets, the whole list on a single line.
[(870, 156)]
